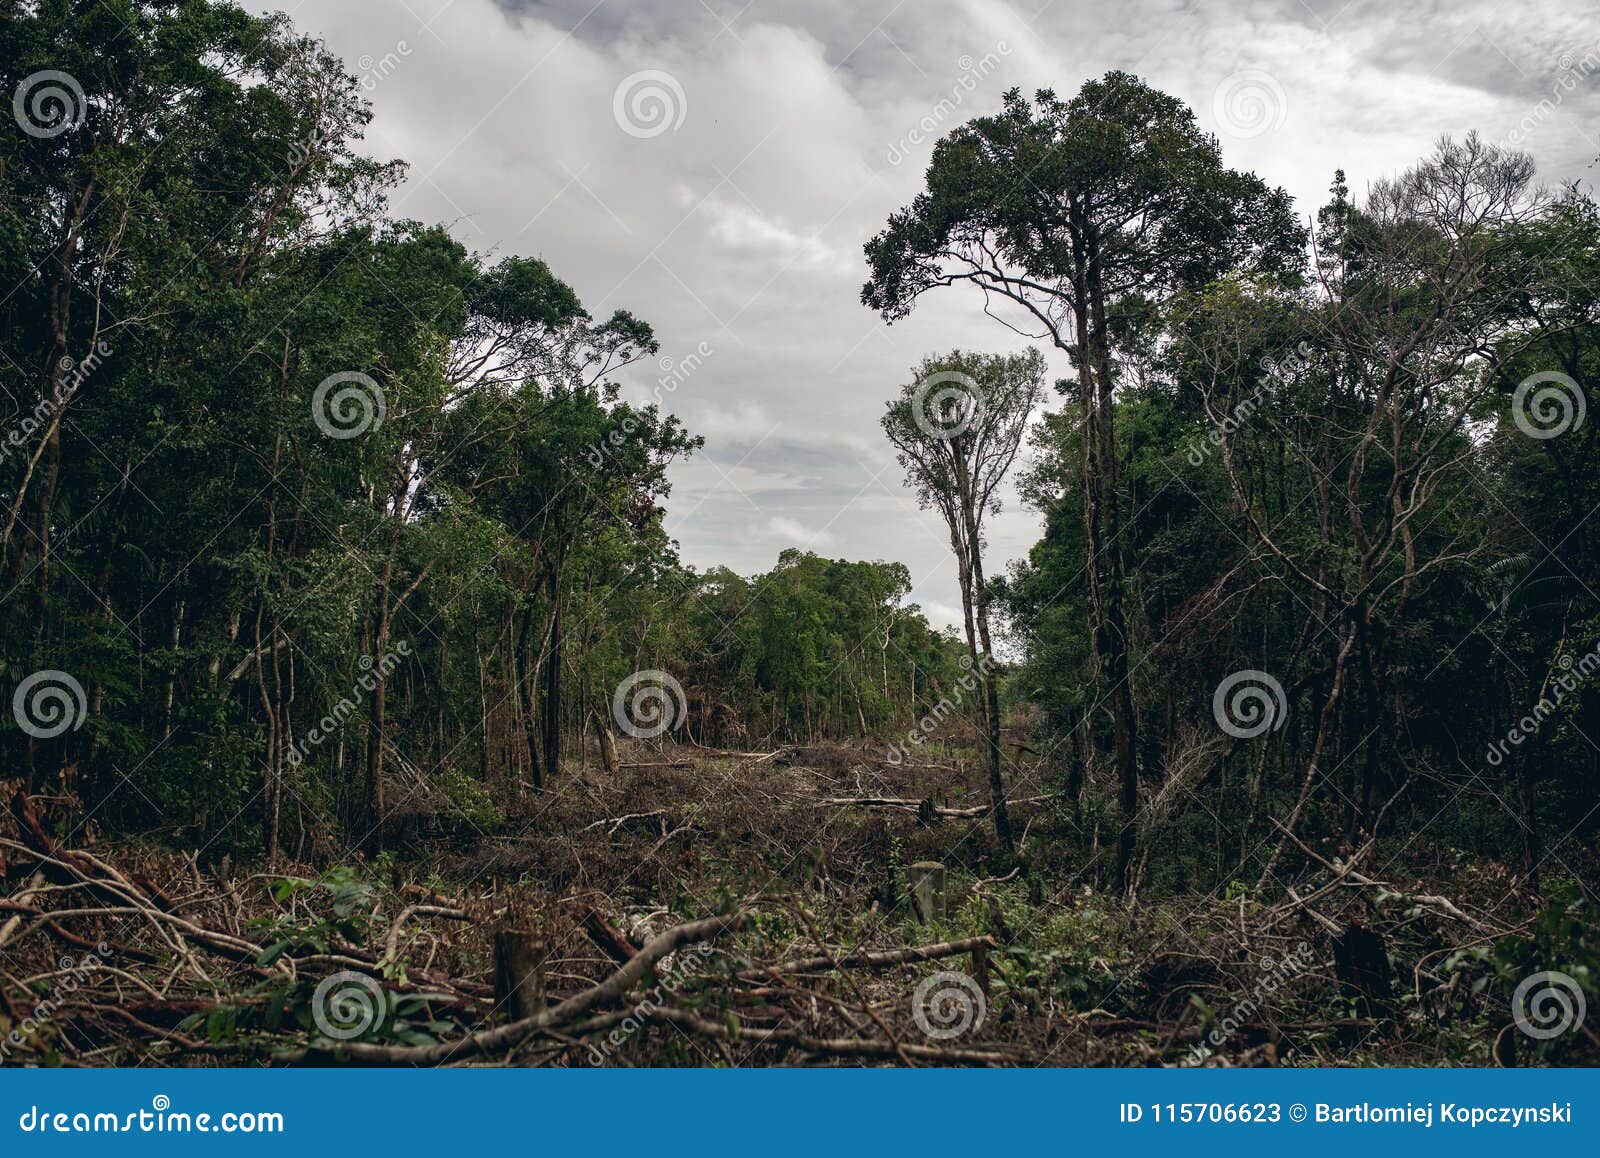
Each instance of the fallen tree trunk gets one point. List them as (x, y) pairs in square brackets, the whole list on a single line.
[(874, 957), (506, 1037), (837, 1046), (917, 805)]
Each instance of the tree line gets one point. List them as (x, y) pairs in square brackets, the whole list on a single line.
[(1317, 551), (308, 513)]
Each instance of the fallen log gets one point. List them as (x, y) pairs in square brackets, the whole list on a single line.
[(506, 1037), (918, 805), (729, 752), (873, 958), (901, 803), (837, 1046)]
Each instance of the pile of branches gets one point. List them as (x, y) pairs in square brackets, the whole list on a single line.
[(138, 955), (197, 970)]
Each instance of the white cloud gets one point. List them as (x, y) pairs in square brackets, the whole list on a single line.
[(742, 228), (794, 534), (942, 614), (744, 419)]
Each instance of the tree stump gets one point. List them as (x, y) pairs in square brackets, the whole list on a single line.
[(925, 882), (519, 956), (608, 746), (1361, 963)]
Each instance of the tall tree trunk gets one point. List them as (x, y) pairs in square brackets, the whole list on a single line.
[(525, 681), (1103, 523), (1308, 783), (984, 670), (375, 726), (1530, 838), (377, 704), (552, 682)]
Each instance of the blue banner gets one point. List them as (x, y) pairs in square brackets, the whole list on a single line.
[(797, 1112)]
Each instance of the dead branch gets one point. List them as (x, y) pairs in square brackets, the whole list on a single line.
[(392, 942), (842, 1047), (510, 1035), (909, 805), (606, 936), (1346, 871), (874, 958)]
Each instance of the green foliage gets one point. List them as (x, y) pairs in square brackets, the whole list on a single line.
[(337, 908), (281, 612), (1564, 938), (1312, 458)]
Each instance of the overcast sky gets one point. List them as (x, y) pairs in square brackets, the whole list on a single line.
[(724, 195)]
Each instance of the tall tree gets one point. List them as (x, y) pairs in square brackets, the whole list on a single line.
[(1426, 297), (1085, 215), (957, 428)]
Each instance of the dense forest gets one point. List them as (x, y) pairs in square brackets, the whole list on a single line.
[(342, 643)]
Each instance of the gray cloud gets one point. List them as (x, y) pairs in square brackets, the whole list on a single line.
[(805, 124)]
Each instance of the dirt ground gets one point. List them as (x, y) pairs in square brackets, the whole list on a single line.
[(742, 909)]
